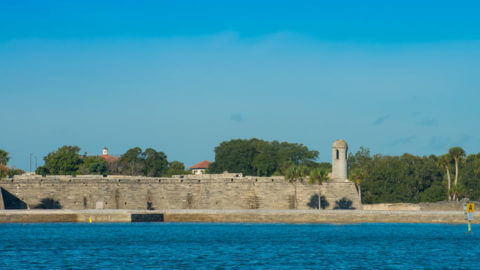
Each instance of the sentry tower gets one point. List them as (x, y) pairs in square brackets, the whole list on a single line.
[(339, 160)]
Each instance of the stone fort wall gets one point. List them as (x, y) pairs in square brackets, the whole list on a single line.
[(220, 192)]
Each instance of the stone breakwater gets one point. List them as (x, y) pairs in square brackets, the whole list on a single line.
[(233, 216), (142, 193)]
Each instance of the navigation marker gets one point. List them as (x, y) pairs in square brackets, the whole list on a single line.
[(470, 210)]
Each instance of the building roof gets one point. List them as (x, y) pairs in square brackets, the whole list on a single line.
[(109, 158), (340, 144), (202, 165)]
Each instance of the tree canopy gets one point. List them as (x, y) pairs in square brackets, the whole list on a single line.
[(409, 178), (156, 163), (4, 157), (260, 158), (134, 160), (147, 163), (66, 160), (93, 165), (176, 168)]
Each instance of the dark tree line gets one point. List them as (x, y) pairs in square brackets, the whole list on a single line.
[(261, 158), (68, 161), (409, 178)]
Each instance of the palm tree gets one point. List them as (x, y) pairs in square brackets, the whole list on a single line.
[(457, 153), (444, 162), (318, 176), (4, 158), (294, 174), (357, 176), (3, 170)]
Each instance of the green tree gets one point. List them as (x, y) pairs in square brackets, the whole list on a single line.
[(470, 176), (405, 178), (357, 176), (444, 162), (14, 171), (133, 160), (458, 154), (361, 159), (3, 170), (296, 153), (325, 166), (295, 174), (156, 163), (261, 158), (318, 176), (176, 168), (4, 157), (235, 156), (65, 160), (149, 163), (265, 162), (282, 169), (42, 170), (93, 165), (98, 168)]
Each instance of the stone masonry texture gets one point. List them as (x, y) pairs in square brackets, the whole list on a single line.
[(142, 193)]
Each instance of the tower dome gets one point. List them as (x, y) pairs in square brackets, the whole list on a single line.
[(340, 144)]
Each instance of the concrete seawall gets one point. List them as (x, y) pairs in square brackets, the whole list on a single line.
[(233, 216)]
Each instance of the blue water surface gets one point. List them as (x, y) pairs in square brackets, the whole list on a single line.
[(238, 246)]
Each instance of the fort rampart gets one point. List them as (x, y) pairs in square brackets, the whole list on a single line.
[(215, 192)]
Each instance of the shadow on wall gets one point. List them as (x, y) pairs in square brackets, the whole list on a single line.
[(314, 202), (189, 200), (10, 201), (344, 203), (48, 203)]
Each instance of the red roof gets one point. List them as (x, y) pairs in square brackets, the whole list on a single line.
[(109, 158), (202, 165)]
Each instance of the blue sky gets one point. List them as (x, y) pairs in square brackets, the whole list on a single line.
[(183, 76)]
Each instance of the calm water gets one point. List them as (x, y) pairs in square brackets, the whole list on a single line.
[(209, 246)]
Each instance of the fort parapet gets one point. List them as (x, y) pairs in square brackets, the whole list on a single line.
[(230, 191)]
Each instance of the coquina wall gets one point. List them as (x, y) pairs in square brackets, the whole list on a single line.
[(175, 193)]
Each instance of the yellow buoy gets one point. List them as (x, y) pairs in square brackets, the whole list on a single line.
[(90, 219)]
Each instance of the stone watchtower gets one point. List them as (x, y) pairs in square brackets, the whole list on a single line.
[(339, 160)]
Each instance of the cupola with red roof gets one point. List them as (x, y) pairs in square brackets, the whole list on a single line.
[(107, 157)]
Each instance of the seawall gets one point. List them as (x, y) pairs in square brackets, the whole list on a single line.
[(233, 216), (141, 193)]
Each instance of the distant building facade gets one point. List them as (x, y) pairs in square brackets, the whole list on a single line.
[(200, 168)]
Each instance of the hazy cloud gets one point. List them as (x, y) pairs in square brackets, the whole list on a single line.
[(445, 143), (427, 122), (402, 141), (464, 139), (236, 117), (438, 142), (380, 120)]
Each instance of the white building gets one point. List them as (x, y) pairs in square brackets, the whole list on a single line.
[(200, 168)]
